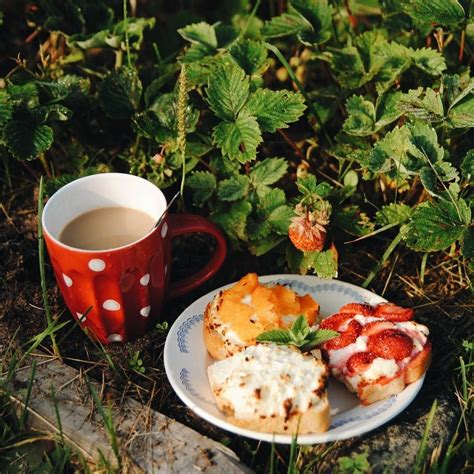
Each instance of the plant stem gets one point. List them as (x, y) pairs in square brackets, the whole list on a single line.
[(291, 73), (127, 43), (44, 290), (387, 253), (250, 18)]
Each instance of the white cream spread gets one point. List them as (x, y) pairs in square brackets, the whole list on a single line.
[(338, 357), (268, 380), (247, 299), (380, 368)]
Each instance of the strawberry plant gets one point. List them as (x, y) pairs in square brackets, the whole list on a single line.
[(299, 127)]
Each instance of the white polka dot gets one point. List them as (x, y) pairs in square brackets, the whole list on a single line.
[(166, 269), (145, 279), (96, 264), (115, 338), (145, 311), (67, 280), (81, 317), (164, 230), (111, 305)]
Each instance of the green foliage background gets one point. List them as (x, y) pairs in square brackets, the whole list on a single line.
[(367, 105)]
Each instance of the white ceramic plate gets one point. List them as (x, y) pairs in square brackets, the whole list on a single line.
[(186, 362)]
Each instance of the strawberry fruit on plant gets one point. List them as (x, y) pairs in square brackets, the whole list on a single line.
[(324, 119)]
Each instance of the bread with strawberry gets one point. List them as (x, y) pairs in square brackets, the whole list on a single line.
[(236, 316), (379, 351)]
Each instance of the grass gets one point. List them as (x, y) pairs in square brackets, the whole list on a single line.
[(437, 286)]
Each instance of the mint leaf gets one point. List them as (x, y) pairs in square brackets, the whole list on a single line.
[(275, 109), (228, 90), (120, 93), (284, 25), (300, 326), (233, 188), (268, 171), (275, 336), (200, 33), (203, 183), (316, 338), (442, 12), (238, 140), (437, 225), (393, 214), (250, 55)]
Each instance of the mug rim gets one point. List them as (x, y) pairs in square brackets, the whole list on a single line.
[(112, 249)]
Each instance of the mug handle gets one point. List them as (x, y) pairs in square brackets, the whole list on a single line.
[(180, 224)]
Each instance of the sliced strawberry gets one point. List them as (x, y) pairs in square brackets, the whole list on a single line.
[(357, 308), (359, 362), (390, 344), (392, 312), (376, 326), (335, 322), (347, 337)]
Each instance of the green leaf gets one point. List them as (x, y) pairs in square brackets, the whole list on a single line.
[(148, 125), (261, 247), (361, 117), (27, 140), (203, 183), (120, 93), (393, 214), (274, 198), (324, 335), (280, 218), (275, 109), (275, 336), (387, 109), (200, 33), (467, 247), (442, 12), (233, 188), (424, 138), (6, 108), (250, 55), (467, 166), (307, 185), (238, 140), (461, 115), (228, 90), (423, 104), (319, 15), (268, 171), (300, 326), (284, 25), (52, 113), (234, 220), (429, 61), (435, 226), (325, 264), (353, 221)]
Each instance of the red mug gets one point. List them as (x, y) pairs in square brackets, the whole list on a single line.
[(117, 294)]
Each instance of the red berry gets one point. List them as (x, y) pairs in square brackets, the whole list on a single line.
[(357, 308), (390, 344), (376, 326), (393, 312), (335, 322), (359, 362), (307, 234), (347, 337)]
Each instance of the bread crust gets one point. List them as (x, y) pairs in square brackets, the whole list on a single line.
[(370, 392)]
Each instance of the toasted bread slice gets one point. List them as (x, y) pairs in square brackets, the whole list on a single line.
[(380, 350), (272, 389), (236, 316)]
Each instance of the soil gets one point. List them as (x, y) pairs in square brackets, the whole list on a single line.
[(443, 303)]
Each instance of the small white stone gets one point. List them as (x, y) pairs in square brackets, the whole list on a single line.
[(67, 280), (164, 230), (145, 279), (96, 264), (111, 305), (145, 311), (115, 338), (81, 317)]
